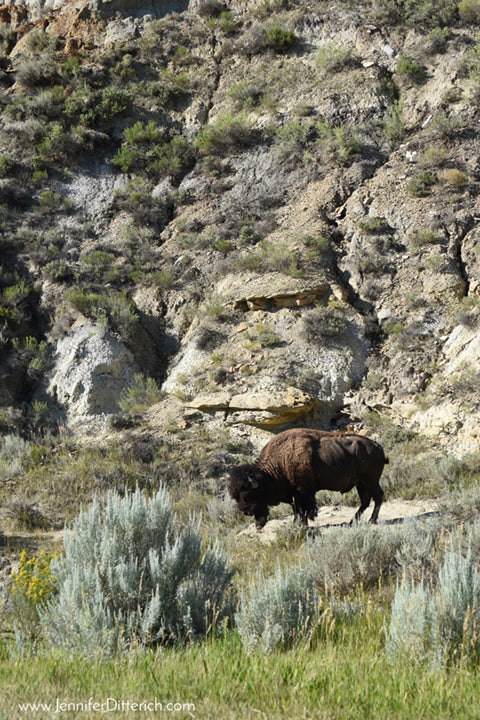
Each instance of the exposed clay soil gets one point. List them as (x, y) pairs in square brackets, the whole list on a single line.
[(330, 516)]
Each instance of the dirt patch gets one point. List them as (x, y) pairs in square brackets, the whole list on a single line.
[(330, 516), (12, 545)]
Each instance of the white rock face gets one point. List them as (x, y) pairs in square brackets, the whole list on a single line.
[(92, 368), (462, 349), (267, 386), (93, 190)]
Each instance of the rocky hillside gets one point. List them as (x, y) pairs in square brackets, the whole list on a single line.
[(241, 215)]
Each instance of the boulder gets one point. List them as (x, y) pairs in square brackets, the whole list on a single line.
[(91, 369)]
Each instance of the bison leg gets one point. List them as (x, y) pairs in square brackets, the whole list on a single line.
[(377, 498), (304, 507), (261, 517), (365, 497), (312, 508)]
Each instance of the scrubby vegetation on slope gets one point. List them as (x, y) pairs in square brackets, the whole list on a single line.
[(283, 199)]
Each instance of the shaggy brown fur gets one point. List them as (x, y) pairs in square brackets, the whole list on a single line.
[(297, 463)]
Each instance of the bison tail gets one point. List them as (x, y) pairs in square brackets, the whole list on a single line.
[(386, 459)]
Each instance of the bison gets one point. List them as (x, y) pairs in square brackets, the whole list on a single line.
[(296, 463)]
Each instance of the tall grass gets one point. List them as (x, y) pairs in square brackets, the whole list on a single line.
[(344, 675)]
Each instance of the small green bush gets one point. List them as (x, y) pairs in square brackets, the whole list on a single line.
[(332, 58), (96, 107), (171, 85), (419, 238), (324, 324), (142, 393), (339, 142), (6, 164), (114, 309), (49, 201), (414, 13), (227, 23), (469, 11), (246, 95), (38, 40), (37, 71), (82, 301), (280, 259), (279, 39), (443, 128), (438, 39), (394, 126), (97, 262), (250, 261), (46, 103), (317, 243), (15, 454), (433, 157), (31, 353), (145, 148), (468, 314), (133, 574), (210, 8), (113, 102), (420, 184), (32, 586), (408, 70), (225, 133), (373, 225), (57, 143), (290, 140), (261, 336)]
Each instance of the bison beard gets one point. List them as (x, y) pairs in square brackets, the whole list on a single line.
[(295, 464)]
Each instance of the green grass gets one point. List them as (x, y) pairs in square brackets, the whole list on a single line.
[(344, 674)]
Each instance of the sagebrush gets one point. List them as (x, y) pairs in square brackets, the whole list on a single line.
[(438, 623), (132, 574)]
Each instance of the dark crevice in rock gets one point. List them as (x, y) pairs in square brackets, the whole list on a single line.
[(216, 82)]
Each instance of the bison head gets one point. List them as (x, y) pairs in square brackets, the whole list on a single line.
[(247, 487)]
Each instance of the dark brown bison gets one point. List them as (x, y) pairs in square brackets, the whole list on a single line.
[(296, 463)]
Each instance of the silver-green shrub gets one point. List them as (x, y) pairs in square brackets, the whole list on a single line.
[(278, 611), (438, 624), (461, 506), (347, 557), (133, 573), (413, 621), (468, 537), (15, 454)]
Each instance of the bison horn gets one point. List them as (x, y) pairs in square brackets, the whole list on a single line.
[(253, 482)]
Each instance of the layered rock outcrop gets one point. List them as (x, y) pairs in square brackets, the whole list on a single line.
[(311, 249)]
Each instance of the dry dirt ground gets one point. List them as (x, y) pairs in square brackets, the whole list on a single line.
[(330, 516)]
